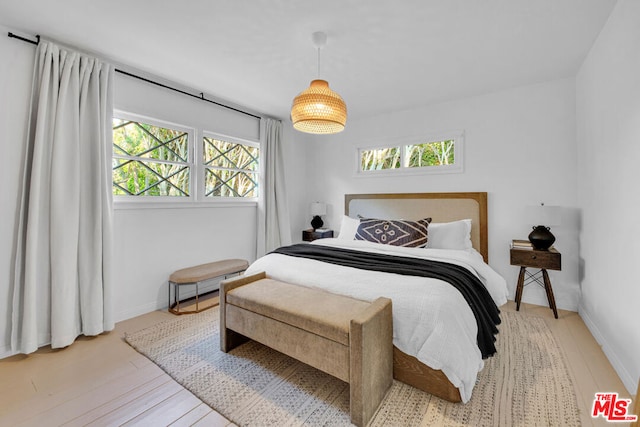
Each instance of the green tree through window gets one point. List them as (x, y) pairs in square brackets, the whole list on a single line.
[(161, 160), (149, 160), (430, 154), (433, 156), (380, 158), (231, 169)]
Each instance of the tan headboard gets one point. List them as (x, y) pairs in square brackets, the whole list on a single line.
[(441, 207)]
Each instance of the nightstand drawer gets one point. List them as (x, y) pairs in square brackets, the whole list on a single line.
[(550, 260), (311, 235)]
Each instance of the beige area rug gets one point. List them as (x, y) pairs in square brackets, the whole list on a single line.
[(526, 384)]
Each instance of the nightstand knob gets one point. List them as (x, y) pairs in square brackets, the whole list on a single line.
[(533, 257)]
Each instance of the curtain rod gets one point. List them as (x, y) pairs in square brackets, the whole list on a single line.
[(144, 79)]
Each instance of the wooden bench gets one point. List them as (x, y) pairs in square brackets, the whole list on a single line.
[(344, 337), (199, 273)]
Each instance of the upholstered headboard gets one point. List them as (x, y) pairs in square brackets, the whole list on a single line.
[(441, 207)]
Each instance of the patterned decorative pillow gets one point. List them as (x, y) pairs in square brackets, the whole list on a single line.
[(396, 232)]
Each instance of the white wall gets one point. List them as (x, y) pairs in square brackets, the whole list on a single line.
[(150, 243), (519, 147), (297, 180), (608, 134)]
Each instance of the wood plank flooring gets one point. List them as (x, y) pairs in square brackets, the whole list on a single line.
[(101, 381)]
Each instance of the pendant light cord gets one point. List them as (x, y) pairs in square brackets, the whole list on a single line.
[(319, 39)]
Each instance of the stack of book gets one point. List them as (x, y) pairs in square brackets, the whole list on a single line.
[(521, 244)]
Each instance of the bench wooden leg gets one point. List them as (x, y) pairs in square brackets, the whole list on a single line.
[(371, 360), (230, 339)]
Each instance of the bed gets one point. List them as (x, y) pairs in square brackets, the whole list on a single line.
[(436, 335)]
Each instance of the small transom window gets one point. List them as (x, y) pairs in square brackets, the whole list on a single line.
[(429, 155)]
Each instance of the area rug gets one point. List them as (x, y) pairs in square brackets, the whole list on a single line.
[(527, 383)]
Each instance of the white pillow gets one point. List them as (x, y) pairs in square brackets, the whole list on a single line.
[(348, 228), (450, 235)]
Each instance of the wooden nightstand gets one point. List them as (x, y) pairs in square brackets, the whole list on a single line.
[(544, 260), (310, 235)]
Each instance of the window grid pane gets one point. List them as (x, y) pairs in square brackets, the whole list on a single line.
[(149, 160), (231, 169), (147, 141), (144, 178), (439, 153), (380, 159), (227, 183)]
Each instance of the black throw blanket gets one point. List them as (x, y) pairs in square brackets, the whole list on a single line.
[(485, 310)]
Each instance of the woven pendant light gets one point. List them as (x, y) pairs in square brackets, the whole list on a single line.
[(318, 109)]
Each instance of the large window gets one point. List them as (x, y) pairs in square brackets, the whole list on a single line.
[(414, 155), (154, 160)]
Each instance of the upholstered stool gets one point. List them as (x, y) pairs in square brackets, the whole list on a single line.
[(197, 274)]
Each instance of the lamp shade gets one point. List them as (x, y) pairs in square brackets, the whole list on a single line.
[(318, 208), (319, 110)]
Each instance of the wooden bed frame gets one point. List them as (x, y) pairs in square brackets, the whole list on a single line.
[(441, 207)]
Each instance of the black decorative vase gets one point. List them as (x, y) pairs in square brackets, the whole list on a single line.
[(541, 238), (316, 222)]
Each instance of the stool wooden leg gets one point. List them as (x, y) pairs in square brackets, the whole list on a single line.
[(519, 287), (547, 287), (174, 306), (197, 297)]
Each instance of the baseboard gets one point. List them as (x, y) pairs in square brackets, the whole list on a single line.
[(187, 293), (138, 311), (542, 301), (5, 350), (626, 378)]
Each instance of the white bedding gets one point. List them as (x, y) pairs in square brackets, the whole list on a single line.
[(431, 319)]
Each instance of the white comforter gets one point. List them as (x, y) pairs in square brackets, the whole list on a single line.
[(431, 319)]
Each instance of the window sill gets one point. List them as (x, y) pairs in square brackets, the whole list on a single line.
[(437, 170), (186, 204)]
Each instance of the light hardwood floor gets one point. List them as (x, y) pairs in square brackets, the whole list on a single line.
[(102, 381)]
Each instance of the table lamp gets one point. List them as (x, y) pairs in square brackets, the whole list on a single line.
[(317, 209)]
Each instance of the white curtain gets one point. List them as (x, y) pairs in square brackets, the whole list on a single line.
[(62, 275), (273, 214)]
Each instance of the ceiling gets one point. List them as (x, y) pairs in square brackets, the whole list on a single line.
[(381, 56)]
